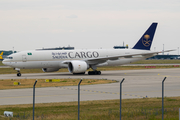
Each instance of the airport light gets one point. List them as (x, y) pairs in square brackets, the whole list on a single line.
[(121, 95)]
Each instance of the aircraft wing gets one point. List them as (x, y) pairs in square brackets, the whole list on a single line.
[(168, 50), (130, 55), (104, 59), (94, 61)]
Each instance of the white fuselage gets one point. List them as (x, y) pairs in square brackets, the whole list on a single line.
[(56, 58)]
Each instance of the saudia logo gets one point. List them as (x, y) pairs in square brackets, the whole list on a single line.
[(83, 54), (65, 55), (145, 40), (59, 55)]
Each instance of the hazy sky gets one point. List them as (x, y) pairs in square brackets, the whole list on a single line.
[(33, 24)]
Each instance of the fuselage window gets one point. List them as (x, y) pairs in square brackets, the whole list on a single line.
[(9, 58)]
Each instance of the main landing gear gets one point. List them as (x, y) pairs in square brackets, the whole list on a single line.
[(94, 73)]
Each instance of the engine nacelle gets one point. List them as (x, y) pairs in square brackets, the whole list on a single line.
[(50, 69), (77, 66)]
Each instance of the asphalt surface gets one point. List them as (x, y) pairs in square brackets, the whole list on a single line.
[(137, 84)]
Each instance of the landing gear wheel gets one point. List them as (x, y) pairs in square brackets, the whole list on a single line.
[(19, 74), (94, 73)]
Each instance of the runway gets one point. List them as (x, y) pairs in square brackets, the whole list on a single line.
[(137, 84)]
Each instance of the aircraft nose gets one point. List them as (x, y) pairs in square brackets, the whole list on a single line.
[(4, 62)]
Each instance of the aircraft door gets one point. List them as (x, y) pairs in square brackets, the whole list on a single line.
[(24, 59)]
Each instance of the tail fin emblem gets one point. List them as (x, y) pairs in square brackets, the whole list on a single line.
[(145, 40), (1, 55)]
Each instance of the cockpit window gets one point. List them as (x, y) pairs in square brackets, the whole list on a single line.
[(9, 58)]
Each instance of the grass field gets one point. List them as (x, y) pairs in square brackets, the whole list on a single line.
[(1, 63), (158, 62), (28, 83), (132, 109)]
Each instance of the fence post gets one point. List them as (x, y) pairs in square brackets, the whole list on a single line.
[(79, 97), (34, 97), (163, 98), (179, 113), (121, 95)]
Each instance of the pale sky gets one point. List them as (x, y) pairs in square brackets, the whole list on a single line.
[(87, 24)]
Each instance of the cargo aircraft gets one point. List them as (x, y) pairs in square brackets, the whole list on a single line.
[(79, 61)]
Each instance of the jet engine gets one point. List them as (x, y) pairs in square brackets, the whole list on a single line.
[(77, 66), (50, 69)]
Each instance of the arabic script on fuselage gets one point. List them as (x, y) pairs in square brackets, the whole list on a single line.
[(66, 55)]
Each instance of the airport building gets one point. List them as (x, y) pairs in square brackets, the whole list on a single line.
[(162, 57), (121, 47), (6, 53), (59, 48)]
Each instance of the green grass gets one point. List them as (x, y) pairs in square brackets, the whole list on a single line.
[(28, 83), (132, 109), (1, 63)]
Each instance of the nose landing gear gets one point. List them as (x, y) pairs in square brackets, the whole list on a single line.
[(18, 72)]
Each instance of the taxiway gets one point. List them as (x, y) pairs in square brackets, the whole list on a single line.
[(137, 84)]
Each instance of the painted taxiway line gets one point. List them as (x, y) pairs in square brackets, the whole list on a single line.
[(103, 92)]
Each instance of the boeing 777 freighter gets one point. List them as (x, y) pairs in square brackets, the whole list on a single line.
[(78, 61)]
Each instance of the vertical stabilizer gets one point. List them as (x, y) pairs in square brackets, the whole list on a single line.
[(145, 41)]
